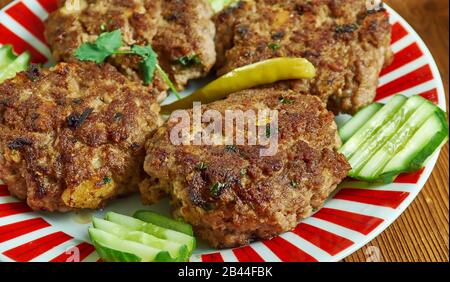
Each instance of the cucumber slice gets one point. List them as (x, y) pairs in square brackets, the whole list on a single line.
[(430, 136), (356, 122), (160, 232), (372, 126), (177, 251), (159, 220), (18, 65), (372, 144), (375, 165), (6, 56), (114, 249)]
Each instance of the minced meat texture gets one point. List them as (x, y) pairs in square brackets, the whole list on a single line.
[(73, 136), (232, 195), (181, 32), (346, 42)]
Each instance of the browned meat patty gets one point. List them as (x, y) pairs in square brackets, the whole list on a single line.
[(230, 194), (177, 30), (73, 137), (347, 43)]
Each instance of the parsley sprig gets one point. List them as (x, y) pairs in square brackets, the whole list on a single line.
[(111, 43)]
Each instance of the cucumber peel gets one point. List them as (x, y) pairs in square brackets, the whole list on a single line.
[(120, 238), (159, 220), (400, 137)]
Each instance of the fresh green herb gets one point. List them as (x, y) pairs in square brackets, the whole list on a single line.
[(268, 130), (202, 166), (110, 43), (190, 60), (231, 148), (294, 183), (217, 188), (285, 100), (106, 180), (243, 172), (274, 46)]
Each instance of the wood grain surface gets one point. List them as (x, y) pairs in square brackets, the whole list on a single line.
[(421, 233)]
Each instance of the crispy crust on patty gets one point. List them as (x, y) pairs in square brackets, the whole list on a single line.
[(174, 28), (347, 43), (260, 196), (73, 137)]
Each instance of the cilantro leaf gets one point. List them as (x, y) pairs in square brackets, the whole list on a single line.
[(187, 61), (148, 63), (110, 41), (90, 52)]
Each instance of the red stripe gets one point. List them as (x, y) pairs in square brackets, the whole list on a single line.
[(49, 5), (414, 78), (398, 32), (214, 257), (329, 242), (30, 250), (431, 95), (13, 208), (10, 231), (409, 178), (20, 46), (247, 254), (391, 199), (286, 251), (23, 15), (84, 250), (4, 190), (361, 223), (403, 57)]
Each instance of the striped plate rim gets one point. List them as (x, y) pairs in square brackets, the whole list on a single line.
[(349, 220)]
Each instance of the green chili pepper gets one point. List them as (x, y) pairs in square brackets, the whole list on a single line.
[(264, 72)]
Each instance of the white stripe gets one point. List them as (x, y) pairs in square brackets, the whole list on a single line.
[(92, 257), (195, 258), (335, 229), (419, 89), (307, 247), (403, 43), (17, 218), (5, 246), (23, 33), (359, 208), (36, 8), (402, 71), (8, 199), (264, 252), (228, 256), (56, 251)]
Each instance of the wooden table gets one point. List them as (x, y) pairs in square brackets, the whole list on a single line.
[(421, 233)]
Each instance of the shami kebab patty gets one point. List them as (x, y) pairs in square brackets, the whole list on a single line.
[(73, 136), (181, 32), (233, 196), (347, 43)]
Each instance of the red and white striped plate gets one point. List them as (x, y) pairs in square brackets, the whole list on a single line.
[(349, 220)]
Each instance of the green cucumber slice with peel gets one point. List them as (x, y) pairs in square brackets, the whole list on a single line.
[(159, 220), (157, 231), (356, 122), (177, 251), (372, 144), (114, 249), (428, 138), (371, 171), (372, 126)]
